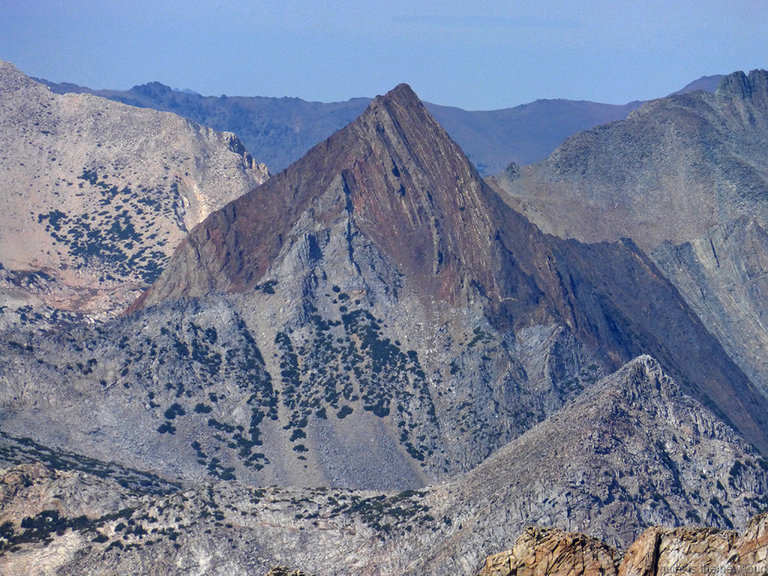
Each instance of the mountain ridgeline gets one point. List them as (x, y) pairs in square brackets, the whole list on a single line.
[(372, 363), (280, 131), (674, 168)]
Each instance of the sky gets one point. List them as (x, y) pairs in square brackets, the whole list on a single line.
[(478, 55)]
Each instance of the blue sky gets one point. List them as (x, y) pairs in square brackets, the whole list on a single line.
[(475, 55)]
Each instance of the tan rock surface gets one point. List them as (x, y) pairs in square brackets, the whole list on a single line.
[(540, 551), (689, 551), (699, 551), (98, 194)]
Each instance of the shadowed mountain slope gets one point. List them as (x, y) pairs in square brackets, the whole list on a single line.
[(685, 177)]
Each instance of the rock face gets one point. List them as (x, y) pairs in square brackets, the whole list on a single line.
[(553, 552), (694, 550), (95, 195), (722, 276), (657, 551), (394, 171)]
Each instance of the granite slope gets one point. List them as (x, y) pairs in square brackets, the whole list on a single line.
[(95, 195)]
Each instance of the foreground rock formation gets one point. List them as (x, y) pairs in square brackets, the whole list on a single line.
[(555, 553), (690, 551)]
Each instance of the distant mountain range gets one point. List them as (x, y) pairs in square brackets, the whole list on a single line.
[(279, 131), (376, 360)]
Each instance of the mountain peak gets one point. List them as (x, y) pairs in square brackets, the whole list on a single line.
[(402, 93), (401, 90), (152, 89), (406, 185), (746, 87), (631, 436)]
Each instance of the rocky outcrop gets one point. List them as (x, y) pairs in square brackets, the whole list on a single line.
[(740, 86), (698, 550), (658, 551), (283, 571), (555, 553), (95, 196)]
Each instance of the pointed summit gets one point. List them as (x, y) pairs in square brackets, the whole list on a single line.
[(406, 185), (402, 93), (632, 437)]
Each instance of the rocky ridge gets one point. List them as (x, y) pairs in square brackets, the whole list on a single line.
[(553, 552), (96, 195), (67, 514), (632, 451), (673, 169)]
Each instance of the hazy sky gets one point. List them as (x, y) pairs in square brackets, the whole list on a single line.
[(476, 55)]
